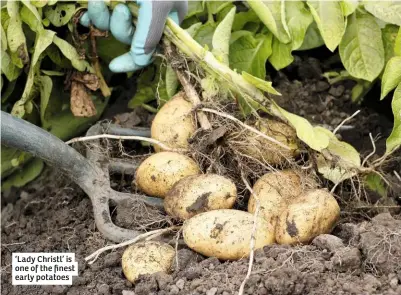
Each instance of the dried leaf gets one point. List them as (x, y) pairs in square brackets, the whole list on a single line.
[(81, 102), (91, 81)]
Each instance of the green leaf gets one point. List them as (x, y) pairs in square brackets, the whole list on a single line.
[(8, 68), (388, 11), (221, 38), (193, 29), (242, 18), (13, 8), (57, 57), (259, 83), (15, 34), (313, 38), (349, 6), (52, 73), (194, 7), (109, 48), (389, 35), (217, 6), (60, 14), (171, 82), (375, 183), (45, 87), (394, 140), (20, 178), (3, 39), (281, 55), (392, 75), (339, 161), (33, 9), (71, 53), (39, 3), (44, 39), (310, 135), (28, 17), (204, 34), (361, 49), (249, 54), (397, 45), (330, 21), (270, 13), (298, 21)]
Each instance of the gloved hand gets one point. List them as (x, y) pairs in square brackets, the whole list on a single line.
[(152, 17)]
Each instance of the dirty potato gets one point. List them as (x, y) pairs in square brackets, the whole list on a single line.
[(174, 123), (312, 213), (226, 233), (200, 193), (146, 258), (158, 173), (274, 190)]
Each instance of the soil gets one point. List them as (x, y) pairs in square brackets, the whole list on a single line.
[(363, 257)]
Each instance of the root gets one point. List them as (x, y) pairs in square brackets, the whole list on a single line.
[(254, 130), (146, 236), (252, 244), (118, 137)]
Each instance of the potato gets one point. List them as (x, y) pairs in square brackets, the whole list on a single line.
[(310, 214), (274, 190), (147, 258), (226, 233), (174, 123), (199, 193), (266, 151), (158, 173)]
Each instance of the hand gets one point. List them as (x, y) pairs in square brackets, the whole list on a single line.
[(152, 17)]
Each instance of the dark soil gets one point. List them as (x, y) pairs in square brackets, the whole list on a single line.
[(54, 215)]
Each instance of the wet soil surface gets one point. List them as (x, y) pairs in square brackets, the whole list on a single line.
[(364, 257)]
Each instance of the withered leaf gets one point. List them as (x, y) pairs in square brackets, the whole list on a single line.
[(81, 101)]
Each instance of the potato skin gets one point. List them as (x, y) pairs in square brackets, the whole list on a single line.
[(226, 233), (266, 151), (146, 258), (274, 190), (309, 215), (174, 123), (200, 193), (158, 173)]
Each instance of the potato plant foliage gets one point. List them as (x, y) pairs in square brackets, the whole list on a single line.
[(41, 51)]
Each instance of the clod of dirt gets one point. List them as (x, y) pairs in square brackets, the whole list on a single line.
[(347, 259), (328, 242)]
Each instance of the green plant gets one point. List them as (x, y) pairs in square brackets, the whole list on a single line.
[(230, 41)]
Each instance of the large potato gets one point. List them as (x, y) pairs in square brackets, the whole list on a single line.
[(147, 258), (275, 190), (226, 233), (199, 193), (266, 151), (309, 215), (158, 173), (174, 123)]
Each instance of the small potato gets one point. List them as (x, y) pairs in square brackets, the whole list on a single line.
[(158, 173), (266, 151), (147, 258), (226, 233), (274, 190), (200, 193), (311, 214), (174, 123)]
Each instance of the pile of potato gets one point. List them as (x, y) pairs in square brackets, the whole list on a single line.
[(290, 212)]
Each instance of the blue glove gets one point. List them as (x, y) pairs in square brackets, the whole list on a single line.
[(152, 17)]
